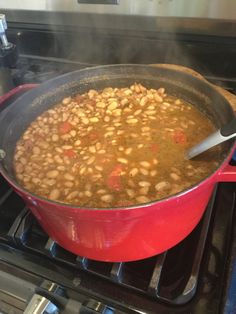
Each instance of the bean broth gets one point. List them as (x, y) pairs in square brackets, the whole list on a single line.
[(115, 147)]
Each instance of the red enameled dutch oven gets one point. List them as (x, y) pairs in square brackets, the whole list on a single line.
[(125, 233)]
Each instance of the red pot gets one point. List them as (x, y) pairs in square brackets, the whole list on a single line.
[(127, 233)]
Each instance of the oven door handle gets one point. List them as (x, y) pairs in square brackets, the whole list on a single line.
[(40, 305)]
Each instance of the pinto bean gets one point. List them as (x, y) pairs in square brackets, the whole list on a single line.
[(54, 194), (107, 198), (175, 176), (52, 174), (162, 185), (69, 177), (142, 199)]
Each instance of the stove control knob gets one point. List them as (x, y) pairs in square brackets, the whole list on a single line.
[(3, 23), (3, 27)]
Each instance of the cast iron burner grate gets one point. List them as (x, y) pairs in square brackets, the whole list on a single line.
[(171, 277)]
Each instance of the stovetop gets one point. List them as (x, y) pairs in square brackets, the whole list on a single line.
[(196, 276)]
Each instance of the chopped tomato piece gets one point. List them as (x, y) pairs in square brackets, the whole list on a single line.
[(93, 136), (117, 170), (154, 148), (179, 137), (114, 179), (114, 183), (70, 153), (65, 127)]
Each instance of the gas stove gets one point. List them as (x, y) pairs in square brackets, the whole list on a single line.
[(38, 276)]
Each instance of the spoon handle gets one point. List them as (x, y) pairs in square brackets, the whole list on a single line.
[(225, 133), (229, 129)]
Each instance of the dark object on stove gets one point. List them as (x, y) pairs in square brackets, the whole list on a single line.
[(126, 233), (6, 82)]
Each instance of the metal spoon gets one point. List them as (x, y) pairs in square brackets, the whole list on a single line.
[(227, 132)]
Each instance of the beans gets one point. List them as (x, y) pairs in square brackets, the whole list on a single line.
[(132, 121), (68, 184), (128, 150), (90, 160), (153, 173), (107, 134), (94, 120), (144, 171), (144, 190), (106, 119), (90, 170), (92, 149), (85, 120), (116, 112), (155, 161), (145, 164), (73, 133), (112, 106), (145, 129), (143, 101), (36, 150), (98, 145), (161, 185), (107, 198), (82, 170), (58, 150), (50, 182), (119, 132), (55, 137), (137, 112), (88, 193), (122, 160), (72, 195), (100, 104), (99, 168), (101, 191), (58, 159), (67, 147), (69, 177), (54, 194), (99, 149), (52, 174), (23, 161), (77, 143), (66, 100), (19, 168), (142, 199), (150, 112), (144, 183), (130, 193), (174, 176), (133, 172)]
